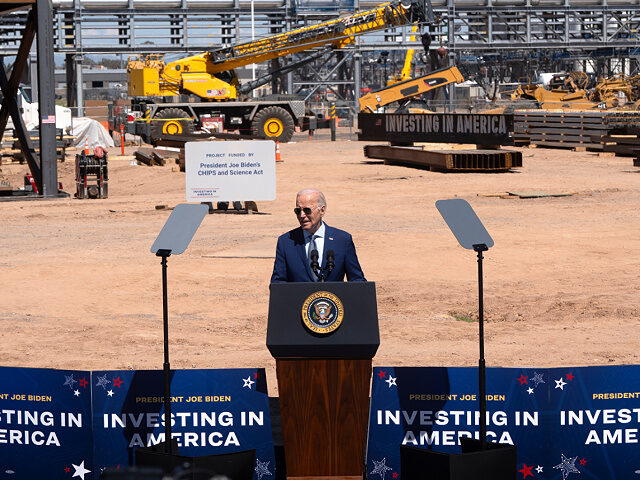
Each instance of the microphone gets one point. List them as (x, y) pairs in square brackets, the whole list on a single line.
[(331, 262), (313, 257)]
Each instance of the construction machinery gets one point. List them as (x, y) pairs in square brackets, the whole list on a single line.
[(211, 77), (607, 90), (404, 91), (405, 73), (566, 90), (569, 91), (92, 177), (556, 98)]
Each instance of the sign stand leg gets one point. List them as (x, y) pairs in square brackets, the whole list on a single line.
[(166, 366), (482, 379)]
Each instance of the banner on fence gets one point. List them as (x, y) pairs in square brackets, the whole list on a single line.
[(212, 412), (564, 421), (45, 424), (47, 429)]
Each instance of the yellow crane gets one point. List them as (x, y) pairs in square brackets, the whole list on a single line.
[(405, 73), (211, 76)]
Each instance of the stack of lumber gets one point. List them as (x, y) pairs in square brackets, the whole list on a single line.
[(151, 156), (11, 152)]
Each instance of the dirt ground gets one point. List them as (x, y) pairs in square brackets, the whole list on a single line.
[(80, 289)]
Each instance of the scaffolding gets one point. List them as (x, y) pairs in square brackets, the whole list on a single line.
[(499, 39)]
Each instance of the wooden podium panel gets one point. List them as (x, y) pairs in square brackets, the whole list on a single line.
[(324, 404)]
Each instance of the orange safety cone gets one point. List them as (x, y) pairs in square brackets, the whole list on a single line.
[(86, 145), (278, 158)]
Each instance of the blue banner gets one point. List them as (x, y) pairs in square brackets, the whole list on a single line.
[(45, 424), (565, 422), (212, 412)]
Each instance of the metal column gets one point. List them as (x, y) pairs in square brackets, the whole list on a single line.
[(33, 75), (78, 57), (79, 85), (69, 67), (46, 99), (357, 64)]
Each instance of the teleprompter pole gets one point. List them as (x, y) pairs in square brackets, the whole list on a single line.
[(167, 368), (481, 362)]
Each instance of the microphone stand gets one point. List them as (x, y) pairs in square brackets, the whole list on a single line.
[(330, 264), (326, 271), (315, 267)]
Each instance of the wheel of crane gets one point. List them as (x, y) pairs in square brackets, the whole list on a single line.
[(273, 123), (171, 121)]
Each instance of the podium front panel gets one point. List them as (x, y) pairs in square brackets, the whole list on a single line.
[(356, 337)]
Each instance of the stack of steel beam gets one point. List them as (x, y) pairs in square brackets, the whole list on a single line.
[(446, 160), (573, 129)]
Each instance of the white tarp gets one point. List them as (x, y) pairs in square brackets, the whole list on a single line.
[(88, 129)]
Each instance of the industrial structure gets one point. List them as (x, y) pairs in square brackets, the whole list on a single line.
[(504, 40), (491, 41)]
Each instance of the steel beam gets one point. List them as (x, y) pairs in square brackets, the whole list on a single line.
[(9, 88), (46, 100), (446, 160)]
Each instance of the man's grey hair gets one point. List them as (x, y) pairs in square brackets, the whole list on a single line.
[(322, 202)]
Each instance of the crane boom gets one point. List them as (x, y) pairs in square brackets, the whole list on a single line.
[(399, 92), (210, 75), (337, 33), (405, 74)]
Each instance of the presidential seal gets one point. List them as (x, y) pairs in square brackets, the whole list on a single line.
[(322, 312)]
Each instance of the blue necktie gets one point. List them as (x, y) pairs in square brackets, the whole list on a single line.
[(312, 247)]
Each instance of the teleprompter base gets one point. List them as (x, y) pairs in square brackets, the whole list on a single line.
[(237, 465), (353, 477), (497, 462)]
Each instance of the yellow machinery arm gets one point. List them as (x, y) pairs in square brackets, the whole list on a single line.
[(409, 88), (337, 33), (210, 75), (405, 74)]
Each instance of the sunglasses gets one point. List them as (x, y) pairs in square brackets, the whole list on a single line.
[(306, 210)]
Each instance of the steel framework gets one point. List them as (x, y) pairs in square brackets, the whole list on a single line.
[(534, 34)]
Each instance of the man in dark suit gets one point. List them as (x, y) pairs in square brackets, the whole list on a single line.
[(295, 252)]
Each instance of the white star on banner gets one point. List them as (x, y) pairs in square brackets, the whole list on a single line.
[(568, 465), (380, 468), (262, 468), (391, 381), (110, 393), (76, 393), (247, 382), (529, 390), (539, 469), (80, 470), (560, 384)]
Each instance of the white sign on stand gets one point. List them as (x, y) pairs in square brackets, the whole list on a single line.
[(229, 171)]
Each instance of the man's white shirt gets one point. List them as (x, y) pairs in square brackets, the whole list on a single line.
[(319, 242)]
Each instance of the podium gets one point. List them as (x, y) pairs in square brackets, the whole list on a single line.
[(323, 337)]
